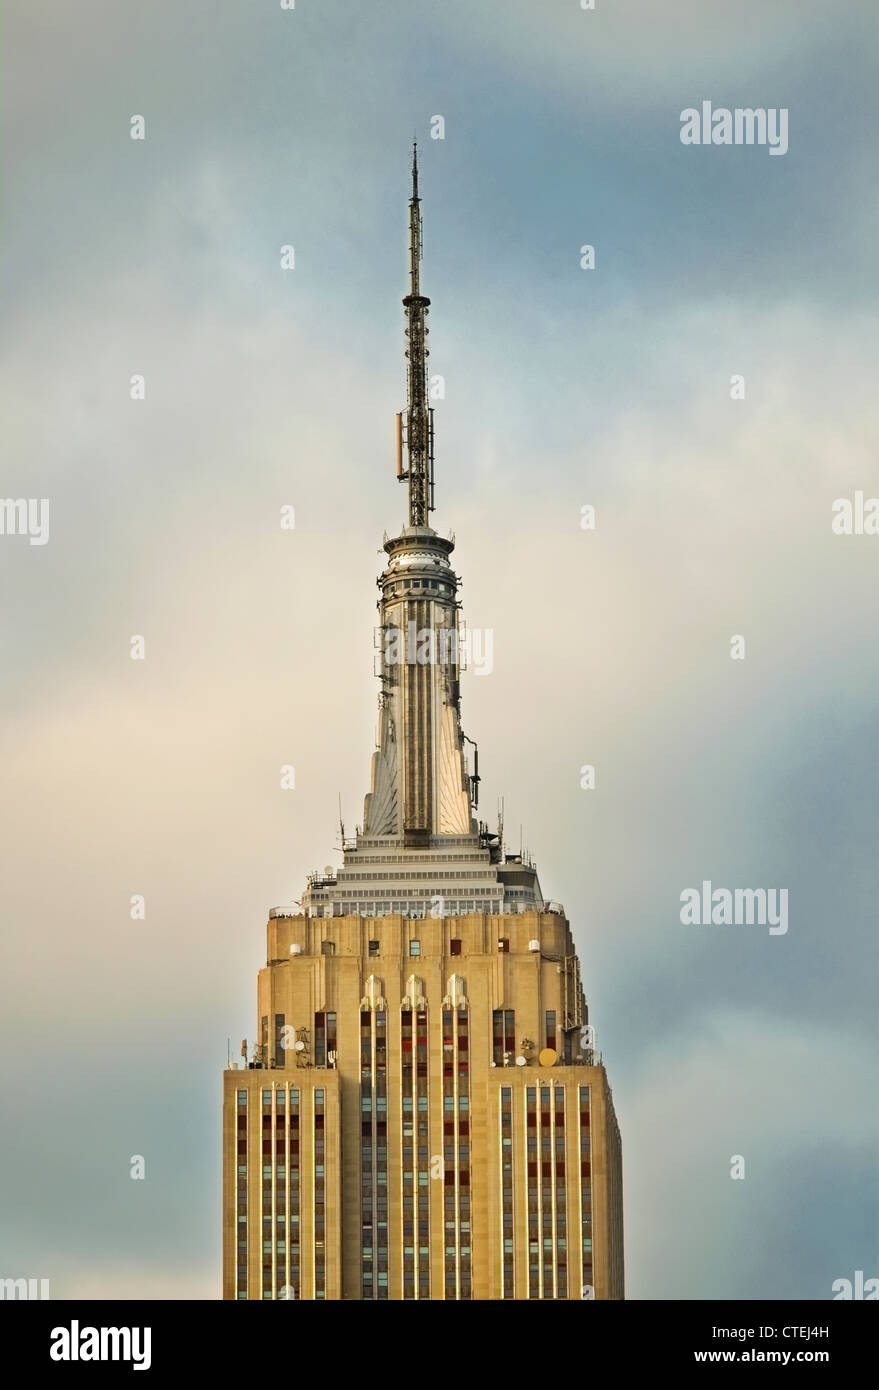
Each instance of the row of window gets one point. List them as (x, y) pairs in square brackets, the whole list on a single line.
[(381, 876), (504, 1048), (241, 1199), (328, 948), (585, 1192), (416, 1159), (506, 1195), (457, 898), (373, 1156), (456, 1157)]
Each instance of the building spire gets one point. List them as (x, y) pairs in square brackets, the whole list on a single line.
[(419, 415)]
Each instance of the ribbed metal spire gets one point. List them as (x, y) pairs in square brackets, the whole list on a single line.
[(419, 416)]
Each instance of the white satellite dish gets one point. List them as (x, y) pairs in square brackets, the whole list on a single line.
[(521, 1062)]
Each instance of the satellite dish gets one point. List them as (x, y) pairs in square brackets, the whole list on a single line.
[(328, 869), (548, 1057), (299, 1046), (521, 1062)]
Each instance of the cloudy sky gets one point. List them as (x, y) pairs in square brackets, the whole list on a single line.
[(564, 387)]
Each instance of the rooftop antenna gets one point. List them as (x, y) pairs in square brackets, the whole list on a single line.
[(475, 779), (341, 822), (417, 427)]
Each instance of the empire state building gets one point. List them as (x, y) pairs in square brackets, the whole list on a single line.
[(423, 1114)]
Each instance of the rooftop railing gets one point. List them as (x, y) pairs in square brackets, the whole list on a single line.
[(420, 911)]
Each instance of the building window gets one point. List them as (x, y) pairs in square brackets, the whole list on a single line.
[(456, 946), (415, 948), (503, 943), (373, 948), (550, 1029), (279, 1040), (327, 948), (503, 1037), (320, 1039), (324, 1040)]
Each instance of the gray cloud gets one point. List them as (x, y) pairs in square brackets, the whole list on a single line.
[(563, 388)]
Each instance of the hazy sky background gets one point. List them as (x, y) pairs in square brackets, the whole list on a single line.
[(564, 387)]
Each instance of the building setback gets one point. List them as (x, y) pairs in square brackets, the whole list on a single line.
[(424, 1114)]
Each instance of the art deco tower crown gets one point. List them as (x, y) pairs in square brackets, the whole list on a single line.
[(422, 794), (420, 785), (424, 1115)]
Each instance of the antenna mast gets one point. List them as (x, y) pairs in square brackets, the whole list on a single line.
[(419, 415)]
